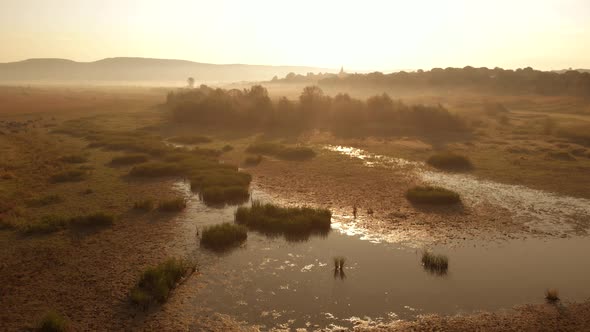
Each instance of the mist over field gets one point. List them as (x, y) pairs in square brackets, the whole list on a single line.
[(294, 165)]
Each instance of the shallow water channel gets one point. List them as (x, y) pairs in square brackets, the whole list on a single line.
[(279, 284)]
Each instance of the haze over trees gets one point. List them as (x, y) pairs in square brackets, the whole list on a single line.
[(252, 109), (497, 80)]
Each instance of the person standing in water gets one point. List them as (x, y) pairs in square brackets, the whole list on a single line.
[(354, 211)]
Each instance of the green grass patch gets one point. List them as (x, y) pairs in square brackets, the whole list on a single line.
[(157, 169), (293, 222), (190, 139), (44, 200), (156, 283), (450, 161), (99, 219), (437, 264), (223, 236), (432, 195), (53, 223), (172, 205), (281, 151), (74, 175), (130, 159), (144, 205), (52, 321), (73, 159)]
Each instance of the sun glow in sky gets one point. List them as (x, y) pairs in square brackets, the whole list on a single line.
[(361, 35)]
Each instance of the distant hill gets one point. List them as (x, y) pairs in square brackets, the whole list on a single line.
[(144, 70)]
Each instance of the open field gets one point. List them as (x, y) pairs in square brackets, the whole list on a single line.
[(62, 252)]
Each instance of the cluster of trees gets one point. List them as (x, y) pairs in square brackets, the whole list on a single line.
[(497, 80), (252, 109)]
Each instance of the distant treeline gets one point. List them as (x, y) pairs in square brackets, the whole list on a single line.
[(496, 80), (252, 109)]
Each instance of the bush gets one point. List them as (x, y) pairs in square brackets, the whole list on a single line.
[(432, 195), (155, 283), (223, 236), (449, 161), (437, 264), (45, 200), (281, 151), (290, 221), (252, 160), (172, 205), (190, 139), (75, 175), (130, 159), (53, 322), (145, 205), (74, 159)]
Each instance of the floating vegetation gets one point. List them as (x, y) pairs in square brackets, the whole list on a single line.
[(294, 222), (130, 159), (437, 264), (223, 236), (74, 175), (156, 283)]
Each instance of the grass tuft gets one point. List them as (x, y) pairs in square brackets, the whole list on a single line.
[(130, 159), (74, 175), (53, 322), (252, 161), (144, 205), (223, 236), (432, 195), (434, 263), (552, 295), (74, 159), (45, 200), (450, 161), (172, 205), (156, 283), (293, 222)]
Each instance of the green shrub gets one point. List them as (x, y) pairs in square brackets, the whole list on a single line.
[(172, 205), (432, 195), (145, 205), (189, 139), (290, 221), (281, 151), (223, 236), (252, 160), (130, 159), (44, 200), (53, 322), (74, 175), (450, 161), (74, 159), (437, 264), (155, 283)]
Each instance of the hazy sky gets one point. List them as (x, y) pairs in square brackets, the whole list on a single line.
[(362, 35)]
